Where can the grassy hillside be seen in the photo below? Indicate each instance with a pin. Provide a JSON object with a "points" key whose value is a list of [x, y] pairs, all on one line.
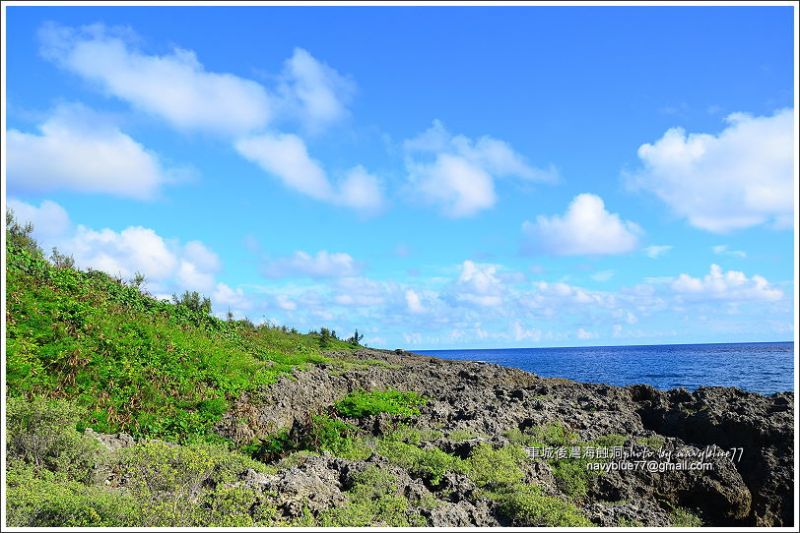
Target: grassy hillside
{"points": [[137, 364]]}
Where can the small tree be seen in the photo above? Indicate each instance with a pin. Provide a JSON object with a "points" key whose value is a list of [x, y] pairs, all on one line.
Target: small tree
{"points": [[61, 260], [194, 302], [324, 338], [356, 339]]}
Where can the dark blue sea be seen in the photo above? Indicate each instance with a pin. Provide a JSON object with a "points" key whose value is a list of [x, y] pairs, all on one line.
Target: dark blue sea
{"points": [[764, 367]]}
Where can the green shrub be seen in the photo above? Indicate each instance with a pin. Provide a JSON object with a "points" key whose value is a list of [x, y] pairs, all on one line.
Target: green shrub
{"points": [[43, 433], [526, 506], [555, 434], [490, 467], [412, 435], [359, 404], [335, 436], [572, 477], [430, 464], [45, 499], [680, 517], [655, 442], [138, 364], [271, 447], [373, 500]]}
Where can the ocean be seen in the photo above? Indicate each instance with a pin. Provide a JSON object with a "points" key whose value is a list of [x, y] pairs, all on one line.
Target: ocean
{"points": [[764, 367]]}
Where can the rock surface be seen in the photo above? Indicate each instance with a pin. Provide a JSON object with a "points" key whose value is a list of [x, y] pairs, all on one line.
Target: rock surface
{"points": [[488, 400]]}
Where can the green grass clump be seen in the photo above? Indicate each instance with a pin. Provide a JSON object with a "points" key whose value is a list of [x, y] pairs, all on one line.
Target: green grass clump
{"points": [[525, 505], [373, 500], [654, 442], [463, 435], [359, 404], [336, 436], [493, 468], [137, 364], [430, 464], [500, 473], [42, 433], [38, 498], [58, 476], [680, 517], [412, 435]]}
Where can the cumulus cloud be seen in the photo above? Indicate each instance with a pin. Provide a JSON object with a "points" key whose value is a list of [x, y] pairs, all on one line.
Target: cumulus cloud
{"points": [[413, 302], [175, 86], [50, 221], [521, 333], [657, 250], [166, 264], [314, 92], [479, 284], [730, 285], [322, 265], [226, 297], [584, 335], [285, 155], [457, 174], [76, 150], [587, 228], [738, 178]]}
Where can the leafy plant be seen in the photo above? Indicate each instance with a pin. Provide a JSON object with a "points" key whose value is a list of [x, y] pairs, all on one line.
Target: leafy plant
{"points": [[359, 404]]}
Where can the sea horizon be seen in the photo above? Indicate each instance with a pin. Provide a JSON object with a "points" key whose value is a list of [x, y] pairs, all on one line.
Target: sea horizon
{"points": [[763, 367], [589, 346]]}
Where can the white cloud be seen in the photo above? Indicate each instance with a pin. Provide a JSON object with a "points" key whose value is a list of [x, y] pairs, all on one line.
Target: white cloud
{"points": [[657, 250], [360, 190], [322, 265], [730, 285], [175, 87], [585, 229], [521, 333], [168, 266], [584, 335], [227, 297], [285, 303], [457, 174], [286, 156], [50, 220], [413, 302], [77, 150], [723, 249], [479, 284], [314, 92], [736, 179]]}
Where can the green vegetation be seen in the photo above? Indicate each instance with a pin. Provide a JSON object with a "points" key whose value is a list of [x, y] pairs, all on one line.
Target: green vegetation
{"points": [[680, 517], [654, 442], [57, 476], [526, 505], [374, 500], [359, 404], [430, 464], [137, 364]]}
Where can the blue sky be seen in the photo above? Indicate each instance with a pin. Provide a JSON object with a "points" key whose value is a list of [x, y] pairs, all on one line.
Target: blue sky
{"points": [[435, 177]]}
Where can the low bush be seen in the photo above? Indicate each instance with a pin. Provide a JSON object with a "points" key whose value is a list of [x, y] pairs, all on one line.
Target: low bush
{"points": [[359, 404], [42, 432], [490, 467], [373, 500], [37, 498], [430, 464], [526, 506]]}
